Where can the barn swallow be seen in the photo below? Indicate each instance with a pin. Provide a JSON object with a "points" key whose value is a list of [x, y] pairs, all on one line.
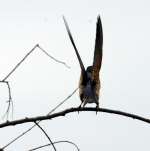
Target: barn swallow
{"points": [[89, 83]]}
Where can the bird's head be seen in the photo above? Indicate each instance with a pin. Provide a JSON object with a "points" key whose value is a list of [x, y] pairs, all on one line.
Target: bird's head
{"points": [[89, 72], [89, 69]]}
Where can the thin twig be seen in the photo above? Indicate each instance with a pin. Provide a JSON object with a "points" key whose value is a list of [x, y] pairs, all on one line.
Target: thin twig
{"points": [[65, 141], [70, 110], [46, 135], [25, 132], [18, 64], [9, 101], [69, 96], [52, 57], [37, 45], [22, 60]]}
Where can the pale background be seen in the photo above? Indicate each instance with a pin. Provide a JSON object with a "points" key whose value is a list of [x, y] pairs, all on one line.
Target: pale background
{"points": [[39, 84]]}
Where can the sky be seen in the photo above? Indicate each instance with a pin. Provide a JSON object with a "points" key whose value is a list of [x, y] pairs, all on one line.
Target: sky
{"points": [[40, 83]]}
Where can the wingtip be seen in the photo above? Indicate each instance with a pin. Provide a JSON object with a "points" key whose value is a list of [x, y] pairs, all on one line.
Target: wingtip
{"points": [[66, 24], [64, 19], [99, 19], [99, 27]]}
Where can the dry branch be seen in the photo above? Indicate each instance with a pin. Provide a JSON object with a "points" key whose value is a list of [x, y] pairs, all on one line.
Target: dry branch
{"points": [[46, 136], [9, 101], [64, 112], [28, 54], [66, 141], [28, 130]]}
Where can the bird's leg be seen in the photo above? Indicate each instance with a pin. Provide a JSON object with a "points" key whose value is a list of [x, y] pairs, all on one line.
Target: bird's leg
{"points": [[83, 102], [80, 106], [97, 107]]}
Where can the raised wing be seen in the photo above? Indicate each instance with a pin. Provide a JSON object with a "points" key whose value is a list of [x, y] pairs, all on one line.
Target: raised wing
{"points": [[97, 61], [72, 41]]}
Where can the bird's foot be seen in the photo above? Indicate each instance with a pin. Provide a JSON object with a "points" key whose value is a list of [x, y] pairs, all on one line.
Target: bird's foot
{"points": [[97, 108], [79, 108]]}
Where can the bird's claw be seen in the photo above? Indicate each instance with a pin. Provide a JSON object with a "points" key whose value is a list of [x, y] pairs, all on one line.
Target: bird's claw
{"points": [[97, 108], [79, 108]]}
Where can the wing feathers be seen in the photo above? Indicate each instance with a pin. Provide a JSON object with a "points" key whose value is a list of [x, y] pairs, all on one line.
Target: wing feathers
{"points": [[98, 49], [72, 41]]}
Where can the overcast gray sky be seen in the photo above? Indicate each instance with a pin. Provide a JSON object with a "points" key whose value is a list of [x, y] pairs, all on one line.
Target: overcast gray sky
{"points": [[39, 84]]}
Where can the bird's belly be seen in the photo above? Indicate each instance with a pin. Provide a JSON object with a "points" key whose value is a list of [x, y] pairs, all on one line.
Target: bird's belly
{"points": [[91, 100], [89, 95]]}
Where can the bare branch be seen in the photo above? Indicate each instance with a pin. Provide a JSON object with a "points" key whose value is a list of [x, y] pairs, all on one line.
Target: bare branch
{"points": [[20, 62], [25, 132], [65, 141], [12, 141], [9, 90], [46, 135], [53, 57], [68, 97], [10, 102], [23, 59], [64, 112]]}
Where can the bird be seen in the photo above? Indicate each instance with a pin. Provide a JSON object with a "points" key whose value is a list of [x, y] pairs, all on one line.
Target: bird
{"points": [[89, 83]]}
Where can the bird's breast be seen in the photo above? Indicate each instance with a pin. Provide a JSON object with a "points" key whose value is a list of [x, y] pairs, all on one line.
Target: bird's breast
{"points": [[88, 91]]}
